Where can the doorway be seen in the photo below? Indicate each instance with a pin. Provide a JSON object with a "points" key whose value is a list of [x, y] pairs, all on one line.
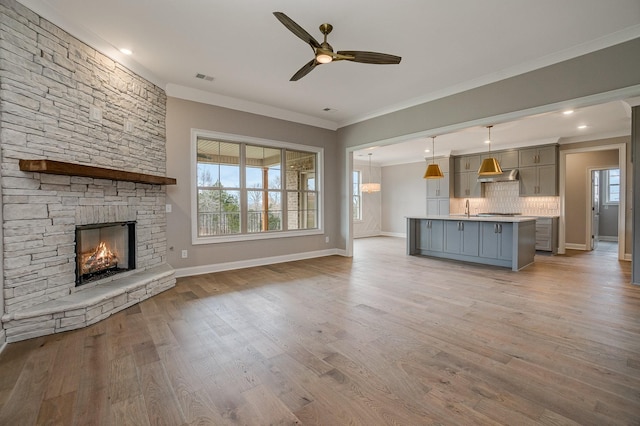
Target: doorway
{"points": [[575, 226]]}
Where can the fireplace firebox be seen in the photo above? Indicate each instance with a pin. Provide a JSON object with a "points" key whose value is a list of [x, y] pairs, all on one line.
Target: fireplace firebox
{"points": [[103, 250]]}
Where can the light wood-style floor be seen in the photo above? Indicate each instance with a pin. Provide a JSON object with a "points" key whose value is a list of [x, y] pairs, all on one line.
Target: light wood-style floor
{"points": [[379, 339]]}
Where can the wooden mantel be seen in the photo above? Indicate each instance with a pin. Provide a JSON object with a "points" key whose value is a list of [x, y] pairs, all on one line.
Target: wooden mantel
{"points": [[70, 169]]}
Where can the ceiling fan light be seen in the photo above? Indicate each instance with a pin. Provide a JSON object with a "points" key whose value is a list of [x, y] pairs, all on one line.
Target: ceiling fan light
{"points": [[433, 172], [323, 58], [489, 166]]}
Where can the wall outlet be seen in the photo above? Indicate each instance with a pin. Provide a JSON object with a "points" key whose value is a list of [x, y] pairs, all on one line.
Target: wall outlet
{"points": [[168, 208], [326, 239], [128, 126], [95, 113], [185, 254]]}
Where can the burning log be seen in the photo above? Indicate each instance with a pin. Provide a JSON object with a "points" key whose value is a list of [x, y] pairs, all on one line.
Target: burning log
{"points": [[97, 260]]}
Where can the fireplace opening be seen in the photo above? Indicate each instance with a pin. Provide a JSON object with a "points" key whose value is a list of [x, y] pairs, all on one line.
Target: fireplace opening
{"points": [[103, 250]]}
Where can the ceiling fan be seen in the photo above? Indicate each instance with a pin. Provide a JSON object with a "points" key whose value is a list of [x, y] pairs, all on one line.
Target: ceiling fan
{"points": [[323, 52]]}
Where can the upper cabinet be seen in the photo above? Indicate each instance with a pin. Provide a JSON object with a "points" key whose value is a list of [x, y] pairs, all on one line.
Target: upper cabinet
{"points": [[538, 168], [467, 163], [507, 159], [466, 183], [539, 171], [539, 156]]}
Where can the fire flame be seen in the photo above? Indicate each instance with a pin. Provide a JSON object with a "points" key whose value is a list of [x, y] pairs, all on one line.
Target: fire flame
{"points": [[98, 259]]}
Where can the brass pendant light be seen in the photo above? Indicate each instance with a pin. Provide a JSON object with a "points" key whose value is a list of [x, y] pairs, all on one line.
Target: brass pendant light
{"points": [[490, 165], [369, 187], [433, 170]]}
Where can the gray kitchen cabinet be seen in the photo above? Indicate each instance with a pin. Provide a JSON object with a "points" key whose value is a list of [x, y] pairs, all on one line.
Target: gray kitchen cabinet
{"points": [[547, 234], [461, 237], [501, 242], [438, 206], [496, 240], [538, 181], [467, 163], [431, 235], [439, 188], [507, 159], [466, 185], [538, 156], [439, 191]]}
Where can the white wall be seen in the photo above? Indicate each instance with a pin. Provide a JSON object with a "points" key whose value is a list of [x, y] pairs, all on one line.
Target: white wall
{"points": [[404, 193]]}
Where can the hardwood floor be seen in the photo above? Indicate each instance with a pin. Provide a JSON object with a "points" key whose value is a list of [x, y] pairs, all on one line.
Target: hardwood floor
{"points": [[382, 338]]}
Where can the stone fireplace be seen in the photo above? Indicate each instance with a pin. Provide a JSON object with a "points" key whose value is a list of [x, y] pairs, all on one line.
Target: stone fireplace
{"points": [[63, 101]]}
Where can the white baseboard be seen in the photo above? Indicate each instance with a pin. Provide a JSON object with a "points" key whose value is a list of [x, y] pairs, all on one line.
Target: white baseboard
{"points": [[394, 234], [367, 234], [613, 239], [229, 266], [575, 246]]}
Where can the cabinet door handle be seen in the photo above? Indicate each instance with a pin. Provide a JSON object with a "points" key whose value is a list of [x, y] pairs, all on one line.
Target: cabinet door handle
{"points": [[462, 226], [499, 228]]}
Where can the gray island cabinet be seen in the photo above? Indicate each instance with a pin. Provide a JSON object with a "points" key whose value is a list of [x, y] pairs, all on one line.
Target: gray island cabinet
{"points": [[500, 241]]}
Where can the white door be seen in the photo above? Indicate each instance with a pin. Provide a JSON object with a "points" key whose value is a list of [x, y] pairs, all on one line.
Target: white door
{"points": [[595, 208]]}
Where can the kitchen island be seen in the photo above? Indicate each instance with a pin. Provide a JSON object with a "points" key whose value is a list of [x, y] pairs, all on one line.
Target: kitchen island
{"points": [[506, 241]]}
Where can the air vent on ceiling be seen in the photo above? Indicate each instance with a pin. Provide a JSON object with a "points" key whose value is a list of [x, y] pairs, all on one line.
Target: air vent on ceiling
{"points": [[204, 77]]}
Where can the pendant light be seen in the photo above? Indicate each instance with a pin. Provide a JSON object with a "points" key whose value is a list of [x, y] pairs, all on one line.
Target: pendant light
{"points": [[370, 187], [433, 170], [490, 165]]}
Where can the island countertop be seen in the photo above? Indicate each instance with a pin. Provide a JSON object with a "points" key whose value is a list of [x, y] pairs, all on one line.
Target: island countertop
{"points": [[476, 218]]}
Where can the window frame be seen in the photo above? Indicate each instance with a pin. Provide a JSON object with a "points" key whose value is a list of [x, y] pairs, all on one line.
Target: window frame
{"points": [[227, 137], [358, 194], [607, 188]]}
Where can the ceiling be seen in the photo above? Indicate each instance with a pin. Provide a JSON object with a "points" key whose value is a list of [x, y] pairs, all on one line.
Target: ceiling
{"points": [[446, 47]]}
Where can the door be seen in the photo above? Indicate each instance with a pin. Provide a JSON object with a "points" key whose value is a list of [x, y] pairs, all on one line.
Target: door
{"points": [[595, 208]]}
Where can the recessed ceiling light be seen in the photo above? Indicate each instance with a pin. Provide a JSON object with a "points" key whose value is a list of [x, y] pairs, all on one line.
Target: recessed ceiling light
{"points": [[487, 141], [568, 112], [426, 150], [126, 51], [582, 126]]}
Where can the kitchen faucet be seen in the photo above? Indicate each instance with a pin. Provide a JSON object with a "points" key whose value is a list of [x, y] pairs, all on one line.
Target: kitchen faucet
{"points": [[466, 207]]}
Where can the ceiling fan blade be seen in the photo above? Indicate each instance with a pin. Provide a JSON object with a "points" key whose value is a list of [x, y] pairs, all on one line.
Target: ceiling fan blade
{"points": [[297, 29], [370, 57], [306, 69]]}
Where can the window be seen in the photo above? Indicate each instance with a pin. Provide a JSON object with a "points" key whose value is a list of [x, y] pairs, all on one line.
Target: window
{"points": [[357, 195], [246, 188], [612, 186]]}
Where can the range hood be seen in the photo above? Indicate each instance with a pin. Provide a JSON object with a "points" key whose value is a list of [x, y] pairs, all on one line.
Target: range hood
{"points": [[505, 176]]}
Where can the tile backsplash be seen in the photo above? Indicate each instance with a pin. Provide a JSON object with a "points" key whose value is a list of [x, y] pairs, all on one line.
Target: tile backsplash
{"points": [[504, 197]]}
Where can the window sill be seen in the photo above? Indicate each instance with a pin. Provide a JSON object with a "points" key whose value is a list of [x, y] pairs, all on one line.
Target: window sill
{"points": [[255, 237]]}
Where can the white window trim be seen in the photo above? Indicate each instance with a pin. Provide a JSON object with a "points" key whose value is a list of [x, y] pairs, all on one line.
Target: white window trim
{"points": [[195, 239], [605, 185], [355, 169]]}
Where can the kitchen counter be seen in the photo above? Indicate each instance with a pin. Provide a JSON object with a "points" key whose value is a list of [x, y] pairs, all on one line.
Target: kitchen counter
{"points": [[506, 241], [479, 218]]}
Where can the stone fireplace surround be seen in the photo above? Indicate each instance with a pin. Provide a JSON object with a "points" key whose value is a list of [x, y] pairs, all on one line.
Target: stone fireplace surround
{"points": [[51, 303], [63, 100]]}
